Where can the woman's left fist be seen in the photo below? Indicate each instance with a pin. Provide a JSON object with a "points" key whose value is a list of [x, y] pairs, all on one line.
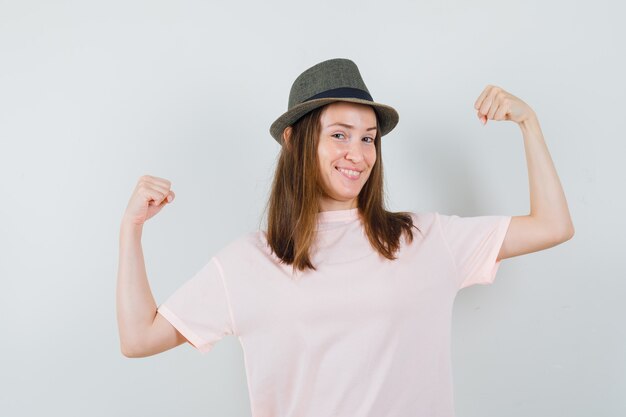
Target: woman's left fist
{"points": [[497, 104]]}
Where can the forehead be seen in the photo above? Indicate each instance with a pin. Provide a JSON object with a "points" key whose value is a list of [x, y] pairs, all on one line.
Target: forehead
{"points": [[353, 113]]}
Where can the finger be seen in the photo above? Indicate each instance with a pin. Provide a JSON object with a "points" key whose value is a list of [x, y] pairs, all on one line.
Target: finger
{"points": [[156, 180], [162, 191], [152, 197], [481, 97], [152, 192], [167, 198], [502, 112], [484, 107], [495, 105], [147, 181]]}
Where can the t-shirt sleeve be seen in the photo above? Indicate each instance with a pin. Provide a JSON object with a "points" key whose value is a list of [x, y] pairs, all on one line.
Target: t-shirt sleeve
{"points": [[200, 308], [474, 243]]}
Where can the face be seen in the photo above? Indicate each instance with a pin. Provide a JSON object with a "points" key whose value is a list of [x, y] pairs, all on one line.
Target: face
{"points": [[346, 152]]}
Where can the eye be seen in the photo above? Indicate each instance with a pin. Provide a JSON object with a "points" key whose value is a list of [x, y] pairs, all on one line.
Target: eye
{"points": [[368, 139]]}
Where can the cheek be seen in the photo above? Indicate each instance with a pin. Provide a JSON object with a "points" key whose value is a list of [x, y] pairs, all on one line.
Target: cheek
{"points": [[328, 154], [371, 157]]}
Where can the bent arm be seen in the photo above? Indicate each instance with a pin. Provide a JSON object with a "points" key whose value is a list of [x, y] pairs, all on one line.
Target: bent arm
{"points": [[142, 331], [547, 198], [549, 222]]}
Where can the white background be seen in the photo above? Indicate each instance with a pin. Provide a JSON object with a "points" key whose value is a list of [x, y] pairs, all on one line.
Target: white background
{"points": [[95, 94]]}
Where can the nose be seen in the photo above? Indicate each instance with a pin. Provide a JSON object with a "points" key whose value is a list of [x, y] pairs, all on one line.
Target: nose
{"points": [[354, 151]]}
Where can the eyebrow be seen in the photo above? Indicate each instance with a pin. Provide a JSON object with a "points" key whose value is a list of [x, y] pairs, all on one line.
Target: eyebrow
{"points": [[348, 126]]}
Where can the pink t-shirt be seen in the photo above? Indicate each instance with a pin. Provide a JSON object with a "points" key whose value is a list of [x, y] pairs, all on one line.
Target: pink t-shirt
{"points": [[362, 335]]}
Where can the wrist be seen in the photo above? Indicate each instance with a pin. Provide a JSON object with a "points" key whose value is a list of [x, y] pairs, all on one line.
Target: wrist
{"points": [[531, 122], [129, 226]]}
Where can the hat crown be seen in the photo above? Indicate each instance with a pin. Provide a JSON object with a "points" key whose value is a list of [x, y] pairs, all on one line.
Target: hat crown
{"points": [[337, 79], [327, 75]]}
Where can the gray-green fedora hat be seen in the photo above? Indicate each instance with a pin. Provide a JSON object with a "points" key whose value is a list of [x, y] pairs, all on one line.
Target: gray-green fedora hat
{"points": [[332, 80]]}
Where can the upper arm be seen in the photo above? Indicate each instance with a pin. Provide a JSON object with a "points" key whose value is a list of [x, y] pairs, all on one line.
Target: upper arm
{"points": [[159, 337], [526, 234]]}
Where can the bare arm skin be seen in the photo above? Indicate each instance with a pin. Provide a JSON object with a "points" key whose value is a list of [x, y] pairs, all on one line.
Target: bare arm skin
{"points": [[143, 332], [549, 222]]}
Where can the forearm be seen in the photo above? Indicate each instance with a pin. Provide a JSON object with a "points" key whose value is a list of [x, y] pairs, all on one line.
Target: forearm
{"points": [[136, 307], [547, 198]]}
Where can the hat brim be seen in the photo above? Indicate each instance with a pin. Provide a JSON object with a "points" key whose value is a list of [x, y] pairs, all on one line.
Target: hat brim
{"points": [[387, 116]]}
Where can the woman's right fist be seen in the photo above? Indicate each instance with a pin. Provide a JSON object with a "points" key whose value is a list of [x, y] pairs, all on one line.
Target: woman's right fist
{"points": [[151, 194]]}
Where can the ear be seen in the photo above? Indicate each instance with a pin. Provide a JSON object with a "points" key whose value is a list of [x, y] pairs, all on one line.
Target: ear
{"points": [[287, 135]]}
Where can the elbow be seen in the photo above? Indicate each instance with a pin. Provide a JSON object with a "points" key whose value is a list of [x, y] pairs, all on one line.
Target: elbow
{"points": [[127, 354], [569, 231], [131, 351], [566, 234], [562, 231]]}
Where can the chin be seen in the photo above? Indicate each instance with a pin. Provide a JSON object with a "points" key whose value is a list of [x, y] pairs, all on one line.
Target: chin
{"points": [[345, 196]]}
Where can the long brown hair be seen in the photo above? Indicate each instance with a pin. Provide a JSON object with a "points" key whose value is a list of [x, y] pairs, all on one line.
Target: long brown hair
{"points": [[296, 191]]}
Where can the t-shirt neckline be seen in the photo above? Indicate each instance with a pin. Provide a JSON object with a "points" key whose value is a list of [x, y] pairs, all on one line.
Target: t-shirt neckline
{"points": [[338, 216]]}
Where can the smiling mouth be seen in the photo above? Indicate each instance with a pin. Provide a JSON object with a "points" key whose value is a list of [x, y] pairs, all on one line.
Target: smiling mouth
{"points": [[348, 173]]}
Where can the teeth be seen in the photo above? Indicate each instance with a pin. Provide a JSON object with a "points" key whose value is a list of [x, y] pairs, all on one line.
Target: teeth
{"points": [[350, 172]]}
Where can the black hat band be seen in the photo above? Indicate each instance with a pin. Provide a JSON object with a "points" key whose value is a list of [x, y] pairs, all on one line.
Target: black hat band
{"points": [[342, 92]]}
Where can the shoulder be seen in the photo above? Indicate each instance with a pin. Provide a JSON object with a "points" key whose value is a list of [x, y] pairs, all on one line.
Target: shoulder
{"points": [[423, 220], [248, 245]]}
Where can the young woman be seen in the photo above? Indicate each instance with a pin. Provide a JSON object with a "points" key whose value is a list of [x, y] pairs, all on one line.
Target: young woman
{"points": [[341, 307]]}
